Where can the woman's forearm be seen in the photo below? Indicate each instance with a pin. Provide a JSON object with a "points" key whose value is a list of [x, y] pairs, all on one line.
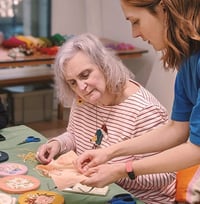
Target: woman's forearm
{"points": [[157, 140], [171, 160], [67, 142]]}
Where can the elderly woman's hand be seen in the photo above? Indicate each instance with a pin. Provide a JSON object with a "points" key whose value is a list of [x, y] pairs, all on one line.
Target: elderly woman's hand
{"points": [[47, 152]]}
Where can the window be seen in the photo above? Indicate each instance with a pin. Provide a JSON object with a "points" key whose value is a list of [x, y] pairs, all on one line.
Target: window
{"points": [[25, 17]]}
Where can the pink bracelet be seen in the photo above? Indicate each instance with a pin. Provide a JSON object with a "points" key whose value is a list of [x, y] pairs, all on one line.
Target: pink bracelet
{"points": [[129, 170]]}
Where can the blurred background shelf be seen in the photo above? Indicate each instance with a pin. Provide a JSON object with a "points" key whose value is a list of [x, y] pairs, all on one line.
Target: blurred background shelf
{"points": [[25, 75]]}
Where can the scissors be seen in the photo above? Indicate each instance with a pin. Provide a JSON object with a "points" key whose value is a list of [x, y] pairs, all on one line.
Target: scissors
{"points": [[30, 139]]}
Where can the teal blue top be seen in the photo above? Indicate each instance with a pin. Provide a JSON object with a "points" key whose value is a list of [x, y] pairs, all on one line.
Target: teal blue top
{"points": [[186, 105]]}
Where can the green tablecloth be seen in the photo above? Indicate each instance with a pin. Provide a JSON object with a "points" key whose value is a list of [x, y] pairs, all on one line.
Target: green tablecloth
{"points": [[15, 135]]}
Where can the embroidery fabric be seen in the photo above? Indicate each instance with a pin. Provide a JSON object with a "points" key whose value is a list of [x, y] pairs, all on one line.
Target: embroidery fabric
{"points": [[62, 171]]}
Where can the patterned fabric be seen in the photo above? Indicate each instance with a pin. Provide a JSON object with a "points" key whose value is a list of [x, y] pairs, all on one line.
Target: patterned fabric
{"points": [[138, 114]]}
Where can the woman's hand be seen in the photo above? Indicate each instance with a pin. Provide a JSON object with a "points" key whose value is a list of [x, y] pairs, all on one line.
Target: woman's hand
{"points": [[48, 151], [90, 159], [105, 174]]}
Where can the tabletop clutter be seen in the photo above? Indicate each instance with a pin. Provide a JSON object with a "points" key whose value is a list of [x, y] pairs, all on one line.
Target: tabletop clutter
{"points": [[14, 179], [26, 45]]}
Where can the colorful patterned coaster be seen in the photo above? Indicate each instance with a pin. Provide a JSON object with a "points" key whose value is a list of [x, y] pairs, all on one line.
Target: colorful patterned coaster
{"points": [[41, 197], [9, 169], [7, 199], [18, 184]]}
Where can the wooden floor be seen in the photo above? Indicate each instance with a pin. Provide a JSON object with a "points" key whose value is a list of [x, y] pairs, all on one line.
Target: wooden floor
{"points": [[49, 129]]}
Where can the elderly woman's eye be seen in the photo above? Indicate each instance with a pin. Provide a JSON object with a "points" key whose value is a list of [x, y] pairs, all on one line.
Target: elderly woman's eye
{"points": [[85, 74]]}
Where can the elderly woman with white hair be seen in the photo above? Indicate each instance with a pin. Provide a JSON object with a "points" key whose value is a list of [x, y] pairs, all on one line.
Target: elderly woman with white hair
{"points": [[108, 107]]}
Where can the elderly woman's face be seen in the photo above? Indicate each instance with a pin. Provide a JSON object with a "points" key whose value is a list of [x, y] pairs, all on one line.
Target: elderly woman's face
{"points": [[85, 78]]}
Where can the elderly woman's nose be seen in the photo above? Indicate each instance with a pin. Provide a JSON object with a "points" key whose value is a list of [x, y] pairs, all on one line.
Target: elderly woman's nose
{"points": [[82, 85]]}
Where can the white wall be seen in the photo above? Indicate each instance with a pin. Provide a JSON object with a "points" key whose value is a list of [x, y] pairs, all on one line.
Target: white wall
{"points": [[68, 16], [105, 19], [161, 83]]}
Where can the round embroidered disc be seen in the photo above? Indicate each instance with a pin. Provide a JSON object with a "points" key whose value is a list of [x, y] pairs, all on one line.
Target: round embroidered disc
{"points": [[7, 199], [18, 184], [9, 169], [34, 197]]}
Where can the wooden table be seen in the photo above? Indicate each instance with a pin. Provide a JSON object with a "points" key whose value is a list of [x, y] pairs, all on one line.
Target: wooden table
{"points": [[38, 59], [34, 60]]}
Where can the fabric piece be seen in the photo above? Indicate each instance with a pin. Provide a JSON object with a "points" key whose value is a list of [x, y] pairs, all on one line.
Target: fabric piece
{"points": [[62, 171], [188, 185], [79, 188], [7, 199]]}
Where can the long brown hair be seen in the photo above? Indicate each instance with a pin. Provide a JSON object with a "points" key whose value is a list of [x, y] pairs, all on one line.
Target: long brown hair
{"points": [[182, 30]]}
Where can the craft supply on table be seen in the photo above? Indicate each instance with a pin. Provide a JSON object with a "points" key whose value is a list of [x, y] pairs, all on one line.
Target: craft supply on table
{"points": [[36, 197], [64, 175], [30, 139], [30, 157], [83, 189], [62, 171], [2, 138], [3, 156], [122, 199], [18, 184], [9, 169], [7, 199]]}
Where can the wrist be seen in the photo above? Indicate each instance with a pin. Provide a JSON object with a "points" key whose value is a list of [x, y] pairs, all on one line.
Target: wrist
{"points": [[120, 171], [111, 153], [57, 142]]}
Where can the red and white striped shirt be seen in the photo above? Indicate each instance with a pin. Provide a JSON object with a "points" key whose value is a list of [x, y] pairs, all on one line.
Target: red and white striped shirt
{"points": [[136, 115]]}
